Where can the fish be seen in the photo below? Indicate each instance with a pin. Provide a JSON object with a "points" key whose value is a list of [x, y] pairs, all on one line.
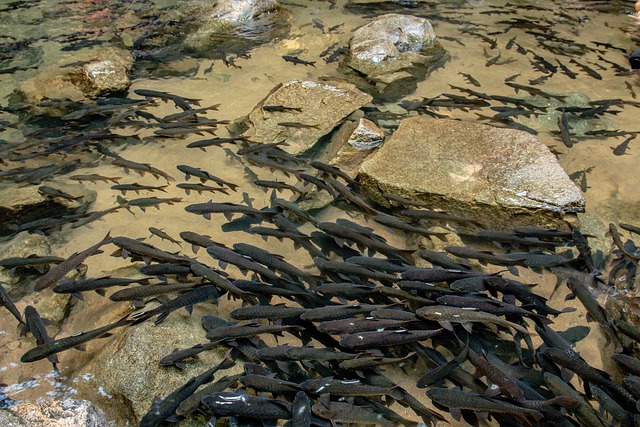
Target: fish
{"points": [[29, 261], [301, 410], [204, 176], [440, 372], [188, 113], [344, 388], [95, 177], [446, 315], [56, 346], [280, 109], [456, 400], [58, 272], [263, 383], [565, 130], [146, 251], [270, 312], [141, 168], [566, 70], [193, 402], [299, 125], [271, 260], [621, 149], [97, 284], [164, 236], [138, 293], [387, 338], [123, 188], [419, 214], [227, 256], [36, 325], [144, 202], [395, 222], [248, 331], [243, 405], [470, 79], [227, 209], [507, 386], [590, 71], [181, 102], [535, 92], [576, 403], [200, 188], [7, 302], [163, 409], [354, 325], [216, 278], [218, 142], [482, 256], [351, 414], [277, 185], [295, 60], [187, 300]]}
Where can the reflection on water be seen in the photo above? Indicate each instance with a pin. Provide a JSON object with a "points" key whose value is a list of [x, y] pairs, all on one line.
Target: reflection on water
{"points": [[489, 42]]}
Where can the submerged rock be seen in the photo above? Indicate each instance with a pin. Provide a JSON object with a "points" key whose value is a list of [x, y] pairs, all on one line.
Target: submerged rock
{"points": [[128, 370], [21, 206], [506, 177], [392, 53], [320, 107], [235, 25], [62, 413], [97, 74]]}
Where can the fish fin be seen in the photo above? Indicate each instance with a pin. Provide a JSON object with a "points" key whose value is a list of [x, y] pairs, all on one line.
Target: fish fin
{"points": [[53, 358], [446, 324], [566, 374], [189, 309], [455, 413], [100, 292], [81, 347], [78, 295], [173, 418], [468, 326]]}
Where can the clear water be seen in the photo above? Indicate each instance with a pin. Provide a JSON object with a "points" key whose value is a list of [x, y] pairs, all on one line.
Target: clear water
{"points": [[38, 34]]}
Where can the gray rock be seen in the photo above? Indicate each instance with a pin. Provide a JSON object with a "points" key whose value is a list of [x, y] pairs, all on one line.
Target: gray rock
{"points": [[393, 53], [505, 177], [324, 106], [60, 413], [23, 205], [128, 371], [234, 11], [104, 72]]}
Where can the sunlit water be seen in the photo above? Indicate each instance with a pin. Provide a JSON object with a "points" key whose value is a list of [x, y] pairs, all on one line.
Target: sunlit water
{"points": [[37, 34]]}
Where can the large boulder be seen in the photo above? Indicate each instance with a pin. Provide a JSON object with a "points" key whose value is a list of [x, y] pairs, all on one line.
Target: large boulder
{"points": [[128, 369], [392, 53], [506, 177], [320, 107], [58, 413], [102, 72]]}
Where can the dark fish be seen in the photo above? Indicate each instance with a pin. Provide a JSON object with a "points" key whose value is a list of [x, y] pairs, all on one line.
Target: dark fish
{"points": [[55, 192], [348, 413], [216, 278], [470, 79], [30, 261], [446, 315], [141, 168], [267, 384], [301, 410], [97, 285], [123, 188], [622, 148], [199, 188], [492, 306], [35, 325], [243, 405], [181, 102], [247, 331], [332, 170], [390, 338], [145, 202], [535, 92], [295, 60], [342, 388], [204, 176], [395, 222], [165, 268], [277, 185], [439, 373], [507, 386], [270, 312], [227, 256], [482, 256], [566, 70], [59, 271], [455, 399], [176, 357], [7, 302], [146, 251], [164, 408], [354, 325], [419, 214], [565, 130], [187, 300], [577, 404], [62, 344], [227, 209], [193, 402], [593, 73], [279, 108], [365, 362], [571, 360], [298, 125], [139, 293], [217, 142], [164, 236]]}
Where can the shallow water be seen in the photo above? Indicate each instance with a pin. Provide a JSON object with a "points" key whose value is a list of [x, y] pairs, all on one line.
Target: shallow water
{"points": [[41, 30]]}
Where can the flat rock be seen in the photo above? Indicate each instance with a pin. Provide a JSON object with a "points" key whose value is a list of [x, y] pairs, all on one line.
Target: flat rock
{"points": [[393, 53], [59, 413], [506, 177], [323, 107]]}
